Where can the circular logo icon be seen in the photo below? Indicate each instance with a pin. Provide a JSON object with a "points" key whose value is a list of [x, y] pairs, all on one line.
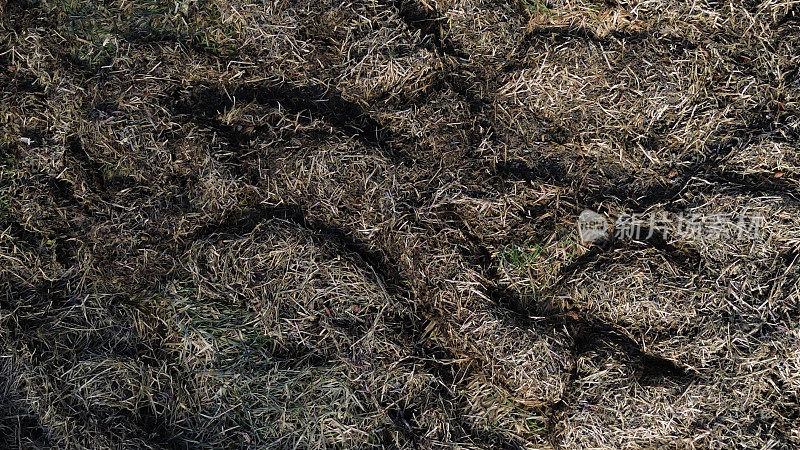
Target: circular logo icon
{"points": [[592, 227]]}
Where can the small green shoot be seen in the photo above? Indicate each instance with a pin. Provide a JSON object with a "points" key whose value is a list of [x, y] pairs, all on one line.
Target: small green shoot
{"points": [[537, 7], [521, 256]]}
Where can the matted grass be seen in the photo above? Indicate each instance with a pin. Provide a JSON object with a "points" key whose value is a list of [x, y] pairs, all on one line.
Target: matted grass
{"points": [[353, 225]]}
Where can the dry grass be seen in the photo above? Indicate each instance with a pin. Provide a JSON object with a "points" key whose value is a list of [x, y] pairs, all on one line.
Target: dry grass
{"points": [[352, 225]]}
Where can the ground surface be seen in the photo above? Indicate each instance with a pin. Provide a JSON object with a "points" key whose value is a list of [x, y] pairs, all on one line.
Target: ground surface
{"points": [[352, 224]]}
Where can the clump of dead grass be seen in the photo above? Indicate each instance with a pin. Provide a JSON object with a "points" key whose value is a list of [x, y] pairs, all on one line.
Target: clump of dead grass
{"points": [[199, 250]]}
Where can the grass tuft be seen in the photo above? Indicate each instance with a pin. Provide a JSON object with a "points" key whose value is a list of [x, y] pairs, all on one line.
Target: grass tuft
{"points": [[237, 223]]}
